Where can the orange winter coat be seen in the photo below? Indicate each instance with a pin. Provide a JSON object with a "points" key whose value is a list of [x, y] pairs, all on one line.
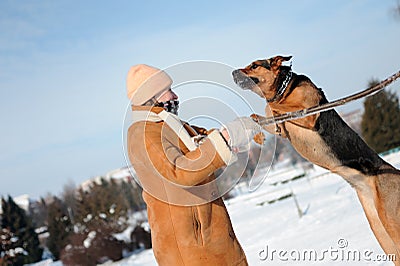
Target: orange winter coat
{"points": [[200, 234]]}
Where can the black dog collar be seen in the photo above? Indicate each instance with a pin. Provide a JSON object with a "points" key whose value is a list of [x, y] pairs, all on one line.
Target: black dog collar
{"points": [[283, 79]]}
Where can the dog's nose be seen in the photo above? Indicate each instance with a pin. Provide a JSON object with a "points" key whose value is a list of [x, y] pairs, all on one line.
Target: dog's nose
{"points": [[235, 72], [237, 76]]}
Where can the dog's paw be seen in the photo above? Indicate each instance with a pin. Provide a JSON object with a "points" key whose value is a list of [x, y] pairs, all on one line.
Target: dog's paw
{"points": [[255, 117], [259, 138]]}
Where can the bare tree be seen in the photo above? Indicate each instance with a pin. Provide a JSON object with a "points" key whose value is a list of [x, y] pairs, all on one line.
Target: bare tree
{"points": [[68, 196], [396, 10]]}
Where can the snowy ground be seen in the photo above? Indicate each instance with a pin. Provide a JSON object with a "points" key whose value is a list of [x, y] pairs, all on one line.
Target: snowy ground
{"points": [[332, 231]]}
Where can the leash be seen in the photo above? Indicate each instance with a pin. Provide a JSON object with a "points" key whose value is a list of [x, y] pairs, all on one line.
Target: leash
{"points": [[264, 121]]}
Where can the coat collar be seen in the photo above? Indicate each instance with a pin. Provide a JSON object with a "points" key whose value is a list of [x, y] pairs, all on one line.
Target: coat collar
{"points": [[158, 114], [146, 113]]}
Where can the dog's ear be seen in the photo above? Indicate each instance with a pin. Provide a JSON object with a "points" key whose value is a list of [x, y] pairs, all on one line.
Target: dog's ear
{"points": [[276, 61]]}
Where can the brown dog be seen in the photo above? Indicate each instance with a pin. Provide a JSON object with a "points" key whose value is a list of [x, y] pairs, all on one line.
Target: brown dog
{"points": [[326, 140]]}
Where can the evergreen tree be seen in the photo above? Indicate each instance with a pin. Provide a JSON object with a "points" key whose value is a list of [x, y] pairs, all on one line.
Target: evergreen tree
{"points": [[133, 194], [24, 243], [380, 124], [59, 227], [103, 205]]}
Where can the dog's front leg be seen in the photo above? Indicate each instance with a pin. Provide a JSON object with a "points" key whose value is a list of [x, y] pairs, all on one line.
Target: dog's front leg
{"points": [[272, 128]]}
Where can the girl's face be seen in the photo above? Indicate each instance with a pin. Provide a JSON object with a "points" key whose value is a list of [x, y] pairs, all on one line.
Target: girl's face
{"points": [[168, 95]]}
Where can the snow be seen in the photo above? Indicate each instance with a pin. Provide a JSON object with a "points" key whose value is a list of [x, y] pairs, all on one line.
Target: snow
{"points": [[15, 251], [41, 230], [22, 201], [88, 218], [112, 210], [124, 235], [47, 262], [88, 241], [334, 226], [333, 229]]}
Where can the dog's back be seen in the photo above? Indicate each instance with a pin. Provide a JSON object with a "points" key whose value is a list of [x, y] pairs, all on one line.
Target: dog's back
{"points": [[346, 145]]}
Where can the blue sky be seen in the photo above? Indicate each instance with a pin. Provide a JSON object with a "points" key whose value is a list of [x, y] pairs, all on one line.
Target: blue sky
{"points": [[63, 66]]}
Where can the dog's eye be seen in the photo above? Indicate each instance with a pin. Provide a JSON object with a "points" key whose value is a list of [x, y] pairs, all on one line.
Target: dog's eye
{"points": [[254, 66]]}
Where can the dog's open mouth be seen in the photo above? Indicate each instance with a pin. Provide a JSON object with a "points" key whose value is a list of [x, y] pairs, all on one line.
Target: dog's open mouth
{"points": [[244, 81]]}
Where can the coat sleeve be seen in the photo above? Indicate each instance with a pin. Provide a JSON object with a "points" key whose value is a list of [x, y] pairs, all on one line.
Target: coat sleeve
{"points": [[194, 167]]}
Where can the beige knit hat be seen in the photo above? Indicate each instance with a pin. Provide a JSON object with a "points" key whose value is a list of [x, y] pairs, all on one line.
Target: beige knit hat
{"points": [[144, 82]]}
